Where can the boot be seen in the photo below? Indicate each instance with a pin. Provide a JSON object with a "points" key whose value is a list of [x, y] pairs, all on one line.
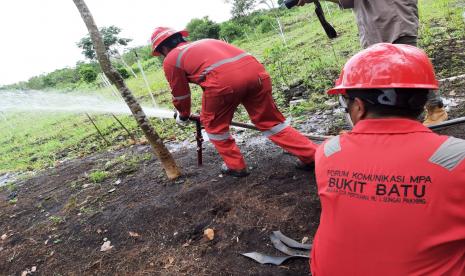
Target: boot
{"points": [[236, 173], [435, 115]]}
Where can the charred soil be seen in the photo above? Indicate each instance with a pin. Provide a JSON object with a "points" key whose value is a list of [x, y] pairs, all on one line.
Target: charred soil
{"points": [[62, 217]]}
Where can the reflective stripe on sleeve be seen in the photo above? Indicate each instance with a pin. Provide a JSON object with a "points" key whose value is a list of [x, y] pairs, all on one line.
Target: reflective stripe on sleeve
{"points": [[449, 154], [219, 137], [332, 146], [180, 98], [276, 129], [221, 62], [184, 49]]}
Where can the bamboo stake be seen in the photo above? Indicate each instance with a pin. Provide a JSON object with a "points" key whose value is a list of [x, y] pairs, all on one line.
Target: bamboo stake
{"points": [[98, 130], [121, 124]]}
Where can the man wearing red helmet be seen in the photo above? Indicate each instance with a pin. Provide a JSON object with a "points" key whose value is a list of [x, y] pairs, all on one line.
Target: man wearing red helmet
{"points": [[392, 191], [393, 21], [228, 76]]}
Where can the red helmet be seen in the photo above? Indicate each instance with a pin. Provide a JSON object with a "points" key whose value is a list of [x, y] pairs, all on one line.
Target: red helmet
{"points": [[386, 65], [162, 33]]}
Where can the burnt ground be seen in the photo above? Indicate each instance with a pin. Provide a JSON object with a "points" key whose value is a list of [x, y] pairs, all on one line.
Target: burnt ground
{"points": [[61, 218]]}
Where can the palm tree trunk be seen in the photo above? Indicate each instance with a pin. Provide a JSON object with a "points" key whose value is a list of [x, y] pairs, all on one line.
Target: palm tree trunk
{"points": [[154, 139]]}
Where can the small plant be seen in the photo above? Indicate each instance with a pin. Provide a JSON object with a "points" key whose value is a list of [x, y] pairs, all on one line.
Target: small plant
{"points": [[56, 219], [98, 176], [13, 201]]}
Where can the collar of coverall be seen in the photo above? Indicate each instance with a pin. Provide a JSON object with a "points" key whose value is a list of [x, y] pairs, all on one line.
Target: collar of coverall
{"points": [[388, 126]]}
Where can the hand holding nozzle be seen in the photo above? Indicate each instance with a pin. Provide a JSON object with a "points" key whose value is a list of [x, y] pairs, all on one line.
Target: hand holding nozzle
{"points": [[181, 121]]}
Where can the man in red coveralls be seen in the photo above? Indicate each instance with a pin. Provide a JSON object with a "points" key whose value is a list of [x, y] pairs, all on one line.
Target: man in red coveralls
{"points": [[392, 191], [228, 76]]}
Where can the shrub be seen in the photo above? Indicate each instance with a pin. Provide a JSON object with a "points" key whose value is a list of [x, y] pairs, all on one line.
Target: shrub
{"points": [[200, 28], [231, 30]]}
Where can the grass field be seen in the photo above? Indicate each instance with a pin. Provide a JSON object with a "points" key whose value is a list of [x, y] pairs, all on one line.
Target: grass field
{"points": [[31, 141]]}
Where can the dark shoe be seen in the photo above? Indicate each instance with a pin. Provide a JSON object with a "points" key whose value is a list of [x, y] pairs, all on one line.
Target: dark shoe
{"points": [[305, 166], [236, 173]]}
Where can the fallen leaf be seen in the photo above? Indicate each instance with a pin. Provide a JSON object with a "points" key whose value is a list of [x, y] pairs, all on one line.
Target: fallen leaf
{"points": [[99, 231], [4, 236], [112, 190], [24, 273], [134, 234], [33, 269], [106, 246], [209, 234], [117, 182]]}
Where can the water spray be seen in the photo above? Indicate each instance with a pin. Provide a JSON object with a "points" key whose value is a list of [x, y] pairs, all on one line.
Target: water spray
{"points": [[37, 101]]}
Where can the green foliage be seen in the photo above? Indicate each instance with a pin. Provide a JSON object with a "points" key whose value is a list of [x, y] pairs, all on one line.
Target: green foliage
{"points": [[200, 28], [123, 72], [231, 30], [98, 176], [264, 23], [241, 8], [110, 40], [56, 219], [13, 201], [87, 72]]}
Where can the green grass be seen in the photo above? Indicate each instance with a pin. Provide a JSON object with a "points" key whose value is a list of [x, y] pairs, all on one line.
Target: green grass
{"points": [[36, 141]]}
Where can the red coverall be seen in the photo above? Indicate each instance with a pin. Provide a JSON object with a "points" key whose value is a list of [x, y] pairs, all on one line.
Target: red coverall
{"points": [[393, 202], [229, 77]]}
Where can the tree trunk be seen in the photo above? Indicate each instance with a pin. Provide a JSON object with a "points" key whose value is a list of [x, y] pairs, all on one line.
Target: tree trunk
{"points": [[154, 139]]}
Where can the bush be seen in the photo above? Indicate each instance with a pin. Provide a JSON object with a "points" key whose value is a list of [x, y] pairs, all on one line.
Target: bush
{"points": [[123, 72], [264, 23], [200, 28], [87, 73], [231, 30]]}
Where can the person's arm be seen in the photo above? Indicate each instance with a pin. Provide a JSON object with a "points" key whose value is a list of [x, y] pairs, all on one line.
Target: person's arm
{"points": [[346, 4], [179, 89]]}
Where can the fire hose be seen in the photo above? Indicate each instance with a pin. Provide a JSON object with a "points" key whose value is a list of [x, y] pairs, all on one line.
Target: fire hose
{"points": [[199, 138]]}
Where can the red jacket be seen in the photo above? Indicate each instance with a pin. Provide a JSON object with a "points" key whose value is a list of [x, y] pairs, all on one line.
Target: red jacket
{"points": [[201, 62], [393, 202]]}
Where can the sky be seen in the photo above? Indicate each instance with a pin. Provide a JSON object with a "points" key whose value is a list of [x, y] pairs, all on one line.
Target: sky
{"points": [[40, 36]]}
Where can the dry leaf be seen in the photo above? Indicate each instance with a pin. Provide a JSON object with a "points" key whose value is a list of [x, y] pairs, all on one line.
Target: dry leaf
{"points": [[134, 234], [305, 240], [106, 246], [209, 234], [4, 236], [170, 263], [33, 269]]}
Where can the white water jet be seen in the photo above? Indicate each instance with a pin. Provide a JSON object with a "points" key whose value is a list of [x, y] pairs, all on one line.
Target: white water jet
{"points": [[71, 102]]}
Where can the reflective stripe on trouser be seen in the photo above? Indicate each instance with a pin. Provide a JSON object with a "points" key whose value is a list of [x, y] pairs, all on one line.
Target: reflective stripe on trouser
{"points": [[250, 85], [230, 153]]}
